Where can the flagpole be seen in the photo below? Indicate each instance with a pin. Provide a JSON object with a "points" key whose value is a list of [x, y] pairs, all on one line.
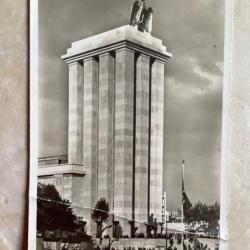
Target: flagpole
{"points": [[182, 188], [182, 201]]}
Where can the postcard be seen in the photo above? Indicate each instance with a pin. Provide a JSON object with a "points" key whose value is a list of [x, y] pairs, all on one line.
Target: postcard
{"points": [[127, 110]]}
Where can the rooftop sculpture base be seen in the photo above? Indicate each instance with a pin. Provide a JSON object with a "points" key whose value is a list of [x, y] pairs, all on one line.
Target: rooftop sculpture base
{"points": [[124, 36]]}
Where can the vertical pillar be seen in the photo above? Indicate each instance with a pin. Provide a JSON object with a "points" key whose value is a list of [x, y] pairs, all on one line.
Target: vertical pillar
{"points": [[75, 113], [106, 128], [156, 141], [124, 119], [77, 194], [142, 140], [90, 137]]}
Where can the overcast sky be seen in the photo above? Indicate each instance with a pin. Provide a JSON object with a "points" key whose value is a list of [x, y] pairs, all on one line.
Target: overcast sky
{"points": [[193, 32]]}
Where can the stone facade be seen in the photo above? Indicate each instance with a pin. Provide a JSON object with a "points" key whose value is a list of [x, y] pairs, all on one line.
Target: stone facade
{"points": [[90, 136], [116, 100], [67, 178], [142, 141], [156, 137], [106, 127], [124, 124], [75, 139]]}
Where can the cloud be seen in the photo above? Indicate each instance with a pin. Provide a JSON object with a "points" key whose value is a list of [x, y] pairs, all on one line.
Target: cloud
{"points": [[193, 132]]}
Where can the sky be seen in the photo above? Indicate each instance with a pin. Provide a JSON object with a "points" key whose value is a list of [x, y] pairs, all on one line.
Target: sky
{"points": [[194, 33]]}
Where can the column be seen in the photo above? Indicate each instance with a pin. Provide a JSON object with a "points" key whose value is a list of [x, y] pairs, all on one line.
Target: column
{"points": [[106, 127], [124, 112], [156, 141], [90, 138], [75, 113], [142, 140], [78, 194]]}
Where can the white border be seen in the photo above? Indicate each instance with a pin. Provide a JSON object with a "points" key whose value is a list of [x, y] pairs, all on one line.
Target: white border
{"points": [[33, 109], [225, 141]]}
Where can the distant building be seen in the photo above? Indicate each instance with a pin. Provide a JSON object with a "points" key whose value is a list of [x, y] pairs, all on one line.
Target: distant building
{"points": [[173, 216], [164, 209]]}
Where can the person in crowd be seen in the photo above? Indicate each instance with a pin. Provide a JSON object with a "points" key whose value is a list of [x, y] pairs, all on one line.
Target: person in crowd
{"points": [[64, 247]]}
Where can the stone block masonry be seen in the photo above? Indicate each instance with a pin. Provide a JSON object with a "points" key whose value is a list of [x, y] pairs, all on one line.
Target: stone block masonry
{"points": [[116, 101], [124, 125]]}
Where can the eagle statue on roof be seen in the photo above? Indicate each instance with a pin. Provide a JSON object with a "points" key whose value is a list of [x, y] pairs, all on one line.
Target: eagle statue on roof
{"points": [[141, 17]]}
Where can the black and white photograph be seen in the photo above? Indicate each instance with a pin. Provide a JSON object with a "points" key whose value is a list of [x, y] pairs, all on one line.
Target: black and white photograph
{"points": [[129, 124]]}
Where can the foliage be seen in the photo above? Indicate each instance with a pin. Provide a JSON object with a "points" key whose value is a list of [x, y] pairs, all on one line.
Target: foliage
{"points": [[100, 213], [203, 212], [53, 212], [141, 235]]}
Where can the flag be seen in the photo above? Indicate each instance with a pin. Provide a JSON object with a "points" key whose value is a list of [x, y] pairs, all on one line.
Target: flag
{"points": [[185, 201]]}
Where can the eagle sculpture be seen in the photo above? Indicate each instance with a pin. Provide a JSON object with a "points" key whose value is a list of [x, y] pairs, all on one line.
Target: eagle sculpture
{"points": [[141, 17]]}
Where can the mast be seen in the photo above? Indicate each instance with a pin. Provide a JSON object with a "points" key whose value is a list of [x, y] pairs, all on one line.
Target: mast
{"points": [[182, 190], [182, 202]]}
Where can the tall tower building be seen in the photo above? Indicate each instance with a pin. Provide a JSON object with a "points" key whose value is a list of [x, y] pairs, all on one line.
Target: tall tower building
{"points": [[116, 104]]}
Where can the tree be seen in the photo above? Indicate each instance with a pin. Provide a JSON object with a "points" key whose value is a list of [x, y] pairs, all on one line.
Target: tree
{"points": [[203, 212], [100, 215], [53, 212], [110, 242]]}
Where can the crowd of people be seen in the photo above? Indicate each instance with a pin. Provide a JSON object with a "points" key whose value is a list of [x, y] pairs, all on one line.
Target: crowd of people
{"points": [[189, 242], [66, 247], [174, 242], [186, 246], [130, 248], [76, 247]]}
